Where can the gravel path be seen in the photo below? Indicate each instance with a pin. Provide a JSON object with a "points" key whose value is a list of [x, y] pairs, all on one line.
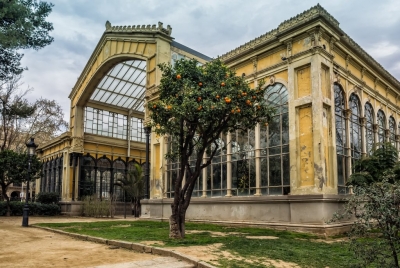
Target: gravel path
{"points": [[33, 247]]}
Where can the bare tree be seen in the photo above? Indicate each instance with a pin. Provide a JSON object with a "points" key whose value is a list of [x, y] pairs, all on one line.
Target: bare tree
{"points": [[13, 107], [20, 120]]}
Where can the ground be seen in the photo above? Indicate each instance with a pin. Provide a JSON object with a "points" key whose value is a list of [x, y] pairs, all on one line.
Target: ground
{"points": [[32, 247]]}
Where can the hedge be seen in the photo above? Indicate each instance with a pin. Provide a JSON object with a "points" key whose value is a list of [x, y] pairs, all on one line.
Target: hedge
{"points": [[34, 209]]}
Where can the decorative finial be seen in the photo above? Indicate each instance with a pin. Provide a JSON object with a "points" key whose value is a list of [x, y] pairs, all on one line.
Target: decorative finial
{"points": [[108, 25]]}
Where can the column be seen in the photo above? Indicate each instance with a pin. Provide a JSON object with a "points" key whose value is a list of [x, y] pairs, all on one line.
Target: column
{"points": [[228, 166], [147, 168]]}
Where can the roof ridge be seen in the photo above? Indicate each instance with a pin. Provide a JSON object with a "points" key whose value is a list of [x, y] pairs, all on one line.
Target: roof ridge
{"points": [[304, 16], [139, 28]]}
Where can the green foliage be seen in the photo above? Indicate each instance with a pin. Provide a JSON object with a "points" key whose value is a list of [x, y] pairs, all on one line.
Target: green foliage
{"points": [[134, 183], [196, 105], [23, 25], [384, 160], [375, 209], [48, 198], [207, 100], [34, 209], [306, 250], [14, 169]]}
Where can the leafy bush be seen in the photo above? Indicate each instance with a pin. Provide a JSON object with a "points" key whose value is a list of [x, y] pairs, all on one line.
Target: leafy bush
{"points": [[48, 198], [94, 207], [34, 209]]}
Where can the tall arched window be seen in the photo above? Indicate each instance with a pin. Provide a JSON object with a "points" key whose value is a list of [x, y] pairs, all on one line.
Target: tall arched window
{"points": [[103, 178], [43, 179], [274, 138], [119, 170], [369, 128], [340, 124], [381, 120], [87, 178], [392, 131], [355, 128]]}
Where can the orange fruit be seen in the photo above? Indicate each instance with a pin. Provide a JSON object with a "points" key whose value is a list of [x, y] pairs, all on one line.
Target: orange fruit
{"points": [[200, 84], [222, 84], [198, 99], [154, 106], [199, 108], [178, 76], [233, 111], [217, 96], [169, 107]]}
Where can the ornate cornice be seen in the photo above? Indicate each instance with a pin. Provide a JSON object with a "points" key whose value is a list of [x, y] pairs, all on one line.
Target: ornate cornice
{"points": [[307, 15], [139, 28]]}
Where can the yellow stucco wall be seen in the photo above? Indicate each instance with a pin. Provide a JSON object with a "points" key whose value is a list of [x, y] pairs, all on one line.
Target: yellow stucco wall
{"points": [[306, 146], [303, 81]]}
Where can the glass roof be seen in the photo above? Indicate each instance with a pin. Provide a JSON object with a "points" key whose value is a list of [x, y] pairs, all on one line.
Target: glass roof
{"points": [[123, 86]]}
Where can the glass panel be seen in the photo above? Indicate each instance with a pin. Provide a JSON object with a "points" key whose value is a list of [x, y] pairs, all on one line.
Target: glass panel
{"points": [[118, 82]]}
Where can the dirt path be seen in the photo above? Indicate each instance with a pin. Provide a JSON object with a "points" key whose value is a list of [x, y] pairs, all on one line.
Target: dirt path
{"points": [[32, 247]]}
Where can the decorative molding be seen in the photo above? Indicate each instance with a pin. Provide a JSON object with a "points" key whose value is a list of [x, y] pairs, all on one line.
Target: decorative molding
{"points": [[375, 128], [312, 13], [347, 113], [139, 28], [272, 80], [363, 121]]}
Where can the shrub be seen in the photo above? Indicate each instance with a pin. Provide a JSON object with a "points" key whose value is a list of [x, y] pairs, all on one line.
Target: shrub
{"points": [[48, 198], [94, 207], [34, 209]]}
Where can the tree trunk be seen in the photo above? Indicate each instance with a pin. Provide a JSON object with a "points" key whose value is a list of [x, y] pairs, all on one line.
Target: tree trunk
{"points": [[177, 223]]}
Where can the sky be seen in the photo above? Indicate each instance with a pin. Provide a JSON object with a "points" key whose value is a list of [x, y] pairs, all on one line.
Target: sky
{"points": [[212, 27]]}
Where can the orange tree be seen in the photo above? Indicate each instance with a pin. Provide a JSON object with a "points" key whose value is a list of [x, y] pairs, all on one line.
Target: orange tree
{"points": [[196, 104]]}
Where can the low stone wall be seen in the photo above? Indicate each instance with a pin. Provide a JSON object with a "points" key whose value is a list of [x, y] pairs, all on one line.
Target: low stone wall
{"points": [[74, 208], [301, 212]]}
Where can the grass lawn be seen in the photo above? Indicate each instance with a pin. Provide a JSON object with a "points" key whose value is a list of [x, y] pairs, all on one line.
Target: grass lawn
{"points": [[305, 250]]}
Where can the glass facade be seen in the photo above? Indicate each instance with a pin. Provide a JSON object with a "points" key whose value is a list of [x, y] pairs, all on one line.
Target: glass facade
{"points": [[355, 129], [273, 163], [52, 176], [369, 128], [392, 131], [341, 130], [381, 120]]}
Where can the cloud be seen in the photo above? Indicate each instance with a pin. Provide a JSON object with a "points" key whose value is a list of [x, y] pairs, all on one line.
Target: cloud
{"points": [[210, 27]]}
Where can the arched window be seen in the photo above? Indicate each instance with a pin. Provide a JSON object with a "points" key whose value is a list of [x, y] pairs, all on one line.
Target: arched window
{"points": [[87, 178], [275, 167], [53, 175], [381, 120], [355, 128], [392, 131], [340, 124], [369, 128], [119, 170], [103, 178]]}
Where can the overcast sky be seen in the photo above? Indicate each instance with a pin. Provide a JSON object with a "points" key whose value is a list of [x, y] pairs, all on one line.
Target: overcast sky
{"points": [[212, 27]]}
